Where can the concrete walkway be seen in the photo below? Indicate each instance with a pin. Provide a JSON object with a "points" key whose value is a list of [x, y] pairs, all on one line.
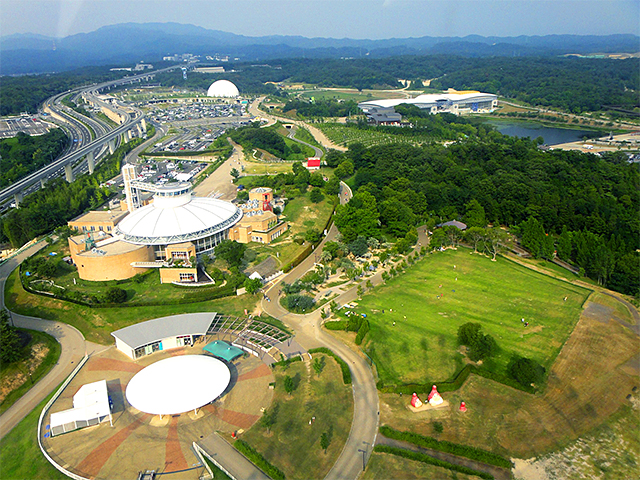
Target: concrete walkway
{"points": [[71, 340], [231, 459]]}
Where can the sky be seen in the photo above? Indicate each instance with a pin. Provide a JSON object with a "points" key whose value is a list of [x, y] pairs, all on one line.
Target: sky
{"points": [[372, 19]]}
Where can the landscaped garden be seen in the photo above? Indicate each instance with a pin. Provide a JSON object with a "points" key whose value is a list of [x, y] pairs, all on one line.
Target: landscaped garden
{"points": [[304, 430], [414, 319]]}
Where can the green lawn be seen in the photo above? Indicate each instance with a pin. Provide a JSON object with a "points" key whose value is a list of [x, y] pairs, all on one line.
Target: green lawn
{"points": [[423, 347], [23, 366], [96, 324], [293, 445], [20, 456]]}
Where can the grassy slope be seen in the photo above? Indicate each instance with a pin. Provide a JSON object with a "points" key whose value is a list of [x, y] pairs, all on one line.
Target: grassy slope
{"points": [[495, 294], [47, 363], [20, 456], [293, 445], [96, 324], [391, 467]]}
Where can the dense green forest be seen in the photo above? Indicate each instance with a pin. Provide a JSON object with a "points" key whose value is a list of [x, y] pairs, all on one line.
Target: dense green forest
{"points": [[586, 203], [574, 84], [26, 93], [60, 201], [24, 154]]}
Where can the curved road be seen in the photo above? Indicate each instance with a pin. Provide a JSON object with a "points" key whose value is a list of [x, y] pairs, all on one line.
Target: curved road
{"points": [[71, 340]]}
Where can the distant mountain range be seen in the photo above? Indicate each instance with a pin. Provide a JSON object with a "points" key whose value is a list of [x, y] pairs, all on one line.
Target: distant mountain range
{"points": [[133, 42]]}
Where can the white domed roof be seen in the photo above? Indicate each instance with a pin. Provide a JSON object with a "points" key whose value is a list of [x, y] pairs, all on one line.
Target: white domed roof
{"points": [[223, 88], [178, 218]]}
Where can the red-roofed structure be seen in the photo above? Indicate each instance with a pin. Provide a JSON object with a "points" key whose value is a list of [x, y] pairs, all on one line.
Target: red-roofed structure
{"points": [[313, 163]]}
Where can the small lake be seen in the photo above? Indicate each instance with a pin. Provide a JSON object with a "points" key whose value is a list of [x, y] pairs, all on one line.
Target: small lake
{"points": [[551, 135]]}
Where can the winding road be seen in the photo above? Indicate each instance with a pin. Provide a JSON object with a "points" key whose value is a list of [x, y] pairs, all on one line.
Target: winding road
{"points": [[73, 344]]}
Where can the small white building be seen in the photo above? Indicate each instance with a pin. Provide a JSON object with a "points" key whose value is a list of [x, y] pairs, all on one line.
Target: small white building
{"points": [[91, 406]]}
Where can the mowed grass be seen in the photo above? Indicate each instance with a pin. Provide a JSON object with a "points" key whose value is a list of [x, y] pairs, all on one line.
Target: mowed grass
{"points": [[293, 445], [447, 289], [96, 324]]}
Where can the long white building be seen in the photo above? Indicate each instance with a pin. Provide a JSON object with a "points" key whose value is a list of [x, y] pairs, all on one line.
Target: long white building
{"points": [[451, 102]]}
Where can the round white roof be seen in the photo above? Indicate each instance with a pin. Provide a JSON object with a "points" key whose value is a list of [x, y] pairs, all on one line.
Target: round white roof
{"points": [[178, 384], [223, 88], [176, 219]]}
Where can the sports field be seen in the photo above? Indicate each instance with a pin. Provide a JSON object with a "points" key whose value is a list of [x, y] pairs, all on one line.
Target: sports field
{"points": [[447, 289]]}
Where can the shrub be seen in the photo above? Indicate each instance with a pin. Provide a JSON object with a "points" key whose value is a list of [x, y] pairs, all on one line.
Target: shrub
{"points": [[298, 303], [337, 325], [115, 295], [448, 447]]}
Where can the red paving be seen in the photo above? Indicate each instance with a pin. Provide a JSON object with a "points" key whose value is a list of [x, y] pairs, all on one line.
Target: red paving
{"points": [[240, 420], [174, 458], [112, 365], [93, 463], [261, 371]]}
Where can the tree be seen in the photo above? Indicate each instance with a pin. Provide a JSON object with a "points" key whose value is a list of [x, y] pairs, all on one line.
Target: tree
{"points": [[234, 173], [332, 186], [252, 285], [533, 237], [312, 235], [269, 417], [495, 241], [115, 295], [325, 439], [10, 349], [46, 269], [316, 195], [288, 385], [468, 333], [359, 246], [344, 170], [230, 251], [319, 364], [475, 216], [474, 236], [526, 371], [484, 347], [564, 244]]}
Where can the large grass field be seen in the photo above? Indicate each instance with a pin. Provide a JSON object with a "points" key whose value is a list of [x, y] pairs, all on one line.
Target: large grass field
{"points": [[447, 289], [292, 444], [342, 135]]}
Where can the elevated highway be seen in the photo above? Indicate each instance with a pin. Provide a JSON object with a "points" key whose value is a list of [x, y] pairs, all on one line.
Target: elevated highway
{"points": [[83, 151]]}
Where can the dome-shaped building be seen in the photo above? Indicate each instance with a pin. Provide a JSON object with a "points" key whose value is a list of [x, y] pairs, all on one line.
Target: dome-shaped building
{"points": [[223, 88]]}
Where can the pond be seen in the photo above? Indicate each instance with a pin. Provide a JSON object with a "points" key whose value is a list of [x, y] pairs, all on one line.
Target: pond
{"points": [[551, 135]]}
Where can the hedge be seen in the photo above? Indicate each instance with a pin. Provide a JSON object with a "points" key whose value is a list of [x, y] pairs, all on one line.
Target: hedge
{"points": [[337, 325], [346, 373], [448, 447], [421, 457], [261, 462], [298, 260], [455, 383]]}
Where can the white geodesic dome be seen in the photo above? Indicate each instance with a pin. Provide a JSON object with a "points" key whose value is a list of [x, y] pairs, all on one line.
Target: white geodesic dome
{"points": [[223, 88]]}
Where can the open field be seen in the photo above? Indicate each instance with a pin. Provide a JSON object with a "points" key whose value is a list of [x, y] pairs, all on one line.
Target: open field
{"points": [[351, 94], [96, 324], [293, 445], [423, 346], [588, 383], [18, 377], [392, 467]]}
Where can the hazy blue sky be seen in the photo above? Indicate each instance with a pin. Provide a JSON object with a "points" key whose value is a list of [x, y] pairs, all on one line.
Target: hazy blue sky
{"points": [[331, 18]]}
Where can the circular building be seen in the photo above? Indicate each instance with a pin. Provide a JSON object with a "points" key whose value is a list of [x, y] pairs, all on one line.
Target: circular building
{"points": [[176, 217], [223, 88], [178, 384]]}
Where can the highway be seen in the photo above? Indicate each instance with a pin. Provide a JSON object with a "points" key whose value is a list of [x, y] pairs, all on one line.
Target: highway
{"points": [[129, 116]]}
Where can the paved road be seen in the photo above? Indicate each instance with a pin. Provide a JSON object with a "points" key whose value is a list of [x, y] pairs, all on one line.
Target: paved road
{"points": [[316, 151], [233, 461], [71, 340], [220, 184]]}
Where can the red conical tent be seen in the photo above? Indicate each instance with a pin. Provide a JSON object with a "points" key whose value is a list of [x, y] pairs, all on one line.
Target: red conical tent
{"points": [[434, 391], [463, 407]]}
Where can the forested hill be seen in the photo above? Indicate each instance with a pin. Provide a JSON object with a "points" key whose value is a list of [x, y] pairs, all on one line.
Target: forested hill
{"points": [[586, 203]]}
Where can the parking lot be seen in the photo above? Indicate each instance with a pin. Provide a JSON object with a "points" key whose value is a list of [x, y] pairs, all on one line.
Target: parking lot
{"points": [[9, 127]]}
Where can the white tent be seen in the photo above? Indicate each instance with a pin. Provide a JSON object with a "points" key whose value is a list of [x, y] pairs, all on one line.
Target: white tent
{"points": [[90, 407]]}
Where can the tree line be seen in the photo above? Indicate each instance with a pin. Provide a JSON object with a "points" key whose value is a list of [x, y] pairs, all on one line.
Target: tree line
{"points": [[24, 154]]}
